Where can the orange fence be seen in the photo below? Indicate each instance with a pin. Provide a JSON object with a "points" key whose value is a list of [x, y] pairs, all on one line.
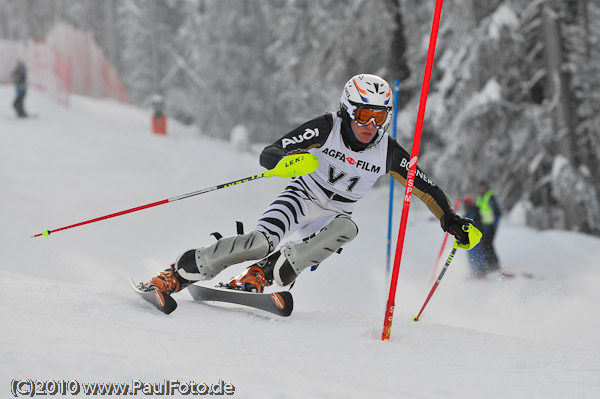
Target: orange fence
{"points": [[68, 61]]}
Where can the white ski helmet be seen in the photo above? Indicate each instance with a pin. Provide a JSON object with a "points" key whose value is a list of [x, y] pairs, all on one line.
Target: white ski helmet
{"points": [[368, 92]]}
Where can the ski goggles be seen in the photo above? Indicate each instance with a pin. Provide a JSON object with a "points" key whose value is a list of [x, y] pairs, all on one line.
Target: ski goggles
{"points": [[363, 116]]}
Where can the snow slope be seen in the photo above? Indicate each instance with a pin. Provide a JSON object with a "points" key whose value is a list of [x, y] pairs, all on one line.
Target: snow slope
{"points": [[68, 312]]}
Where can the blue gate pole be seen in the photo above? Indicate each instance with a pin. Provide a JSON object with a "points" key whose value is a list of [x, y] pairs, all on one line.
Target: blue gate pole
{"points": [[391, 201]]}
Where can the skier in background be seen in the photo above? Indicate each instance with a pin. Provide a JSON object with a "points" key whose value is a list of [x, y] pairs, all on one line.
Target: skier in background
{"points": [[19, 78], [490, 218], [354, 150], [476, 258]]}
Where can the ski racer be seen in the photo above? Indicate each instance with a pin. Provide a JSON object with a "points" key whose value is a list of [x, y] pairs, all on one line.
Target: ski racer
{"points": [[354, 150]]}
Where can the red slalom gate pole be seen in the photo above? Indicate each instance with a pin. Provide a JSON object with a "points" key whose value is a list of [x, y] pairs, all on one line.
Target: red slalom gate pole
{"points": [[437, 262], [410, 179]]}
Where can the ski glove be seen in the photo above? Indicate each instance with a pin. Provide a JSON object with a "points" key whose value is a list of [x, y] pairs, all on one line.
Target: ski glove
{"points": [[457, 226]]}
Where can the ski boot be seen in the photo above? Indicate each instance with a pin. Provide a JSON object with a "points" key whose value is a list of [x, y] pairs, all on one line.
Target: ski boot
{"points": [[168, 281], [252, 280]]}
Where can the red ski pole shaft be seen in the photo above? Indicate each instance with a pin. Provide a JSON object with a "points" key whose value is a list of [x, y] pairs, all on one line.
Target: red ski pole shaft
{"points": [[46, 232], [437, 282], [410, 178]]}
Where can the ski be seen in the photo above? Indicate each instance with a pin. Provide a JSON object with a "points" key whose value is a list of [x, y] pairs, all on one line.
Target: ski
{"points": [[161, 300], [510, 275], [280, 303]]}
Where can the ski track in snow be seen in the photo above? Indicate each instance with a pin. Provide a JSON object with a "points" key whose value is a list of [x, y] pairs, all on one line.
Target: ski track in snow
{"points": [[69, 313]]}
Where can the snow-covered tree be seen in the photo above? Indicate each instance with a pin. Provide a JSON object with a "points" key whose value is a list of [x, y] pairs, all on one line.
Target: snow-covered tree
{"points": [[512, 103]]}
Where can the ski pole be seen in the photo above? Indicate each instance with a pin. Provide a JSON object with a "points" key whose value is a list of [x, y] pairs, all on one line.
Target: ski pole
{"points": [[289, 166], [437, 282], [474, 238], [437, 262]]}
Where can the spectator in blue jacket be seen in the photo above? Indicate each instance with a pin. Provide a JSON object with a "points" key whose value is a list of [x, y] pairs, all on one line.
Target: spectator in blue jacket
{"points": [[476, 258], [19, 78]]}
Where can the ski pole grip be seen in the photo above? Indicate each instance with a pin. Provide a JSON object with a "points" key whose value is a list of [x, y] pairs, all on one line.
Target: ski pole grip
{"points": [[294, 165], [474, 237]]}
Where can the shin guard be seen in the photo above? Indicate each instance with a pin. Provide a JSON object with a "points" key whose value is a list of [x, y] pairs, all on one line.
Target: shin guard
{"points": [[312, 251], [205, 263]]}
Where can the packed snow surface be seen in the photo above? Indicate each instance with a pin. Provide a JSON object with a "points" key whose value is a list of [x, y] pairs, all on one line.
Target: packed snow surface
{"points": [[69, 313]]}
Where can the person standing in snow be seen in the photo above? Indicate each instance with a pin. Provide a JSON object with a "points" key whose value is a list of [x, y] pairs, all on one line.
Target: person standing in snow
{"points": [[490, 218], [19, 78], [476, 258], [354, 150]]}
